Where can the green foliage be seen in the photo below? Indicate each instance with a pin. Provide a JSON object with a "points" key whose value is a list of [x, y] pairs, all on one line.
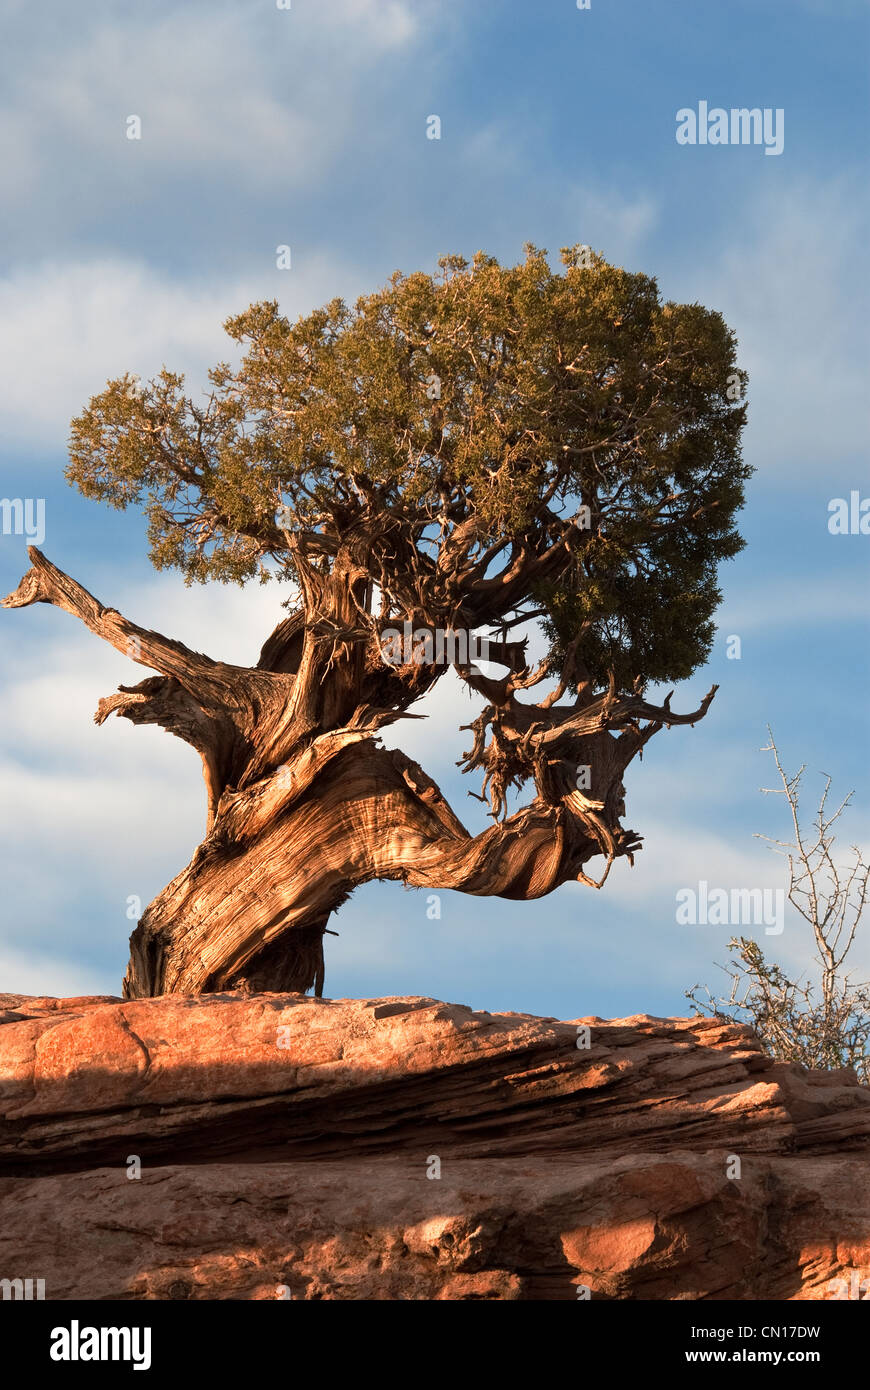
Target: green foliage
{"points": [[482, 402]]}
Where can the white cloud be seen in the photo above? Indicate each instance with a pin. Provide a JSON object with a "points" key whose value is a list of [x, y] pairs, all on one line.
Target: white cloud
{"points": [[786, 285], [678, 855], [257, 94], [390, 23]]}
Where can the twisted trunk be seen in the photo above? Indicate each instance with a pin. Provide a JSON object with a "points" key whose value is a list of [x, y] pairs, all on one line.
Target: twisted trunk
{"points": [[253, 904], [304, 805]]}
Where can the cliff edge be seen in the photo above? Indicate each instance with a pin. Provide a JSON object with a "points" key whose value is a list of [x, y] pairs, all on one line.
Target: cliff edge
{"points": [[258, 1146]]}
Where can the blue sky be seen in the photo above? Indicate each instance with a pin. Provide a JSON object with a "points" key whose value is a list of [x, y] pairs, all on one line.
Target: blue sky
{"points": [[307, 127]]}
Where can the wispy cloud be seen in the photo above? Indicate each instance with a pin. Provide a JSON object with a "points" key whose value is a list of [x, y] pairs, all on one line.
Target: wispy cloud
{"points": [[786, 286], [66, 329], [248, 94]]}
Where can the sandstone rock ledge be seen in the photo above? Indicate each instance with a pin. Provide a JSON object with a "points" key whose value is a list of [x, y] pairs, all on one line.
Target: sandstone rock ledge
{"points": [[286, 1141]]}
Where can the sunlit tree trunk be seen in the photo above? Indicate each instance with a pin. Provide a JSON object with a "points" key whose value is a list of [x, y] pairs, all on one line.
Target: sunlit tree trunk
{"points": [[304, 804]]}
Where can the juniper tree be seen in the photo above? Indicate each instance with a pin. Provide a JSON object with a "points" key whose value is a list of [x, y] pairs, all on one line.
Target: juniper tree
{"points": [[464, 451]]}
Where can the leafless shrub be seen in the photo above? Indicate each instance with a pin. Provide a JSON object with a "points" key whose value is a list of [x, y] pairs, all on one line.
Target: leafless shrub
{"points": [[822, 1022]]}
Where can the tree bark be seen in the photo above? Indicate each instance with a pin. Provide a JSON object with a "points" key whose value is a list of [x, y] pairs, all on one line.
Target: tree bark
{"points": [[252, 905]]}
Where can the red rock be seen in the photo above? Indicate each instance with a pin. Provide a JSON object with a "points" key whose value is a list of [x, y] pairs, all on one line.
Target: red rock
{"points": [[305, 1165]]}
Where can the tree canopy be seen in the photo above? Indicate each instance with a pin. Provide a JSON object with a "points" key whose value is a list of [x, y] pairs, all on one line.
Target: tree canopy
{"points": [[489, 443]]}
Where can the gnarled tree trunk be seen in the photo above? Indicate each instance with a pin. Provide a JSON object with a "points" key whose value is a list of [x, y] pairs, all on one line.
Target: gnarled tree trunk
{"points": [[304, 805]]}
